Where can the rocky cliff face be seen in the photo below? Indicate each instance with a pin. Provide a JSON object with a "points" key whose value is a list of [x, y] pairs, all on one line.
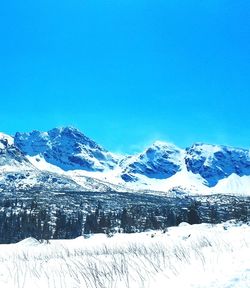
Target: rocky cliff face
{"points": [[11, 158], [159, 161], [214, 162], [66, 148], [78, 156]]}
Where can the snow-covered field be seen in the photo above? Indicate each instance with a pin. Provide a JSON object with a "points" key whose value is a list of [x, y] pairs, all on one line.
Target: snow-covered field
{"points": [[186, 256]]}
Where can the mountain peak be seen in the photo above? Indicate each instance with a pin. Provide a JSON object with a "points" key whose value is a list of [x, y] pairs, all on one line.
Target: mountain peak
{"points": [[67, 148], [216, 162], [160, 161], [163, 145], [72, 134], [65, 129]]}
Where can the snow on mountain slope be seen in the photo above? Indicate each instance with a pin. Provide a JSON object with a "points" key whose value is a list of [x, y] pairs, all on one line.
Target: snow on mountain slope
{"points": [[17, 172], [196, 170], [183, 181], [68, 153], [40, 163], [11, 158], [159, 161], [214, 162], [66, 148], [234, 184], [7, 138], [89, 181]]}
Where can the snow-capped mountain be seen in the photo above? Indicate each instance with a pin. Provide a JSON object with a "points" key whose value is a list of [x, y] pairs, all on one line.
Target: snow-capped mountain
{"points": [[66, 148], [215, 162], [18, 173], [159, 161], [70, 160], [11, 158]]}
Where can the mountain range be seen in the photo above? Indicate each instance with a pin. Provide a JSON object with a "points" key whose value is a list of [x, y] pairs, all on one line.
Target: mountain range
{"points": [[65, 159]]}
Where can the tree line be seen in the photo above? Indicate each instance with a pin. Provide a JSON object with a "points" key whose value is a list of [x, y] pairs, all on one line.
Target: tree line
{"points": [[19, 220]]}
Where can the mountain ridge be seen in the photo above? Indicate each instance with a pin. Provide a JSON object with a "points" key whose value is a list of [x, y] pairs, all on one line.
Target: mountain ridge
{"points": [[162, 166]]}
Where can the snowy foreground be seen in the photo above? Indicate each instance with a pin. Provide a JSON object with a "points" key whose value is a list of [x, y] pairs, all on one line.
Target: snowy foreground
{"points": [[185, 256]]}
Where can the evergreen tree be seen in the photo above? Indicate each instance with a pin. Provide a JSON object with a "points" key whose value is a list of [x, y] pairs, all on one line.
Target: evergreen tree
{"points": [[193, 214]]}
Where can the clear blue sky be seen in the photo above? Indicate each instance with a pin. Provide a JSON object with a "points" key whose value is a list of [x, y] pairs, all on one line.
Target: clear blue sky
{"points": [[128, 72]]}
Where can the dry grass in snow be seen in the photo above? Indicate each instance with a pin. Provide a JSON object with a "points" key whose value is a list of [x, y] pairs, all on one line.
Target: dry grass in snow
{"points": [[185, 256]]}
